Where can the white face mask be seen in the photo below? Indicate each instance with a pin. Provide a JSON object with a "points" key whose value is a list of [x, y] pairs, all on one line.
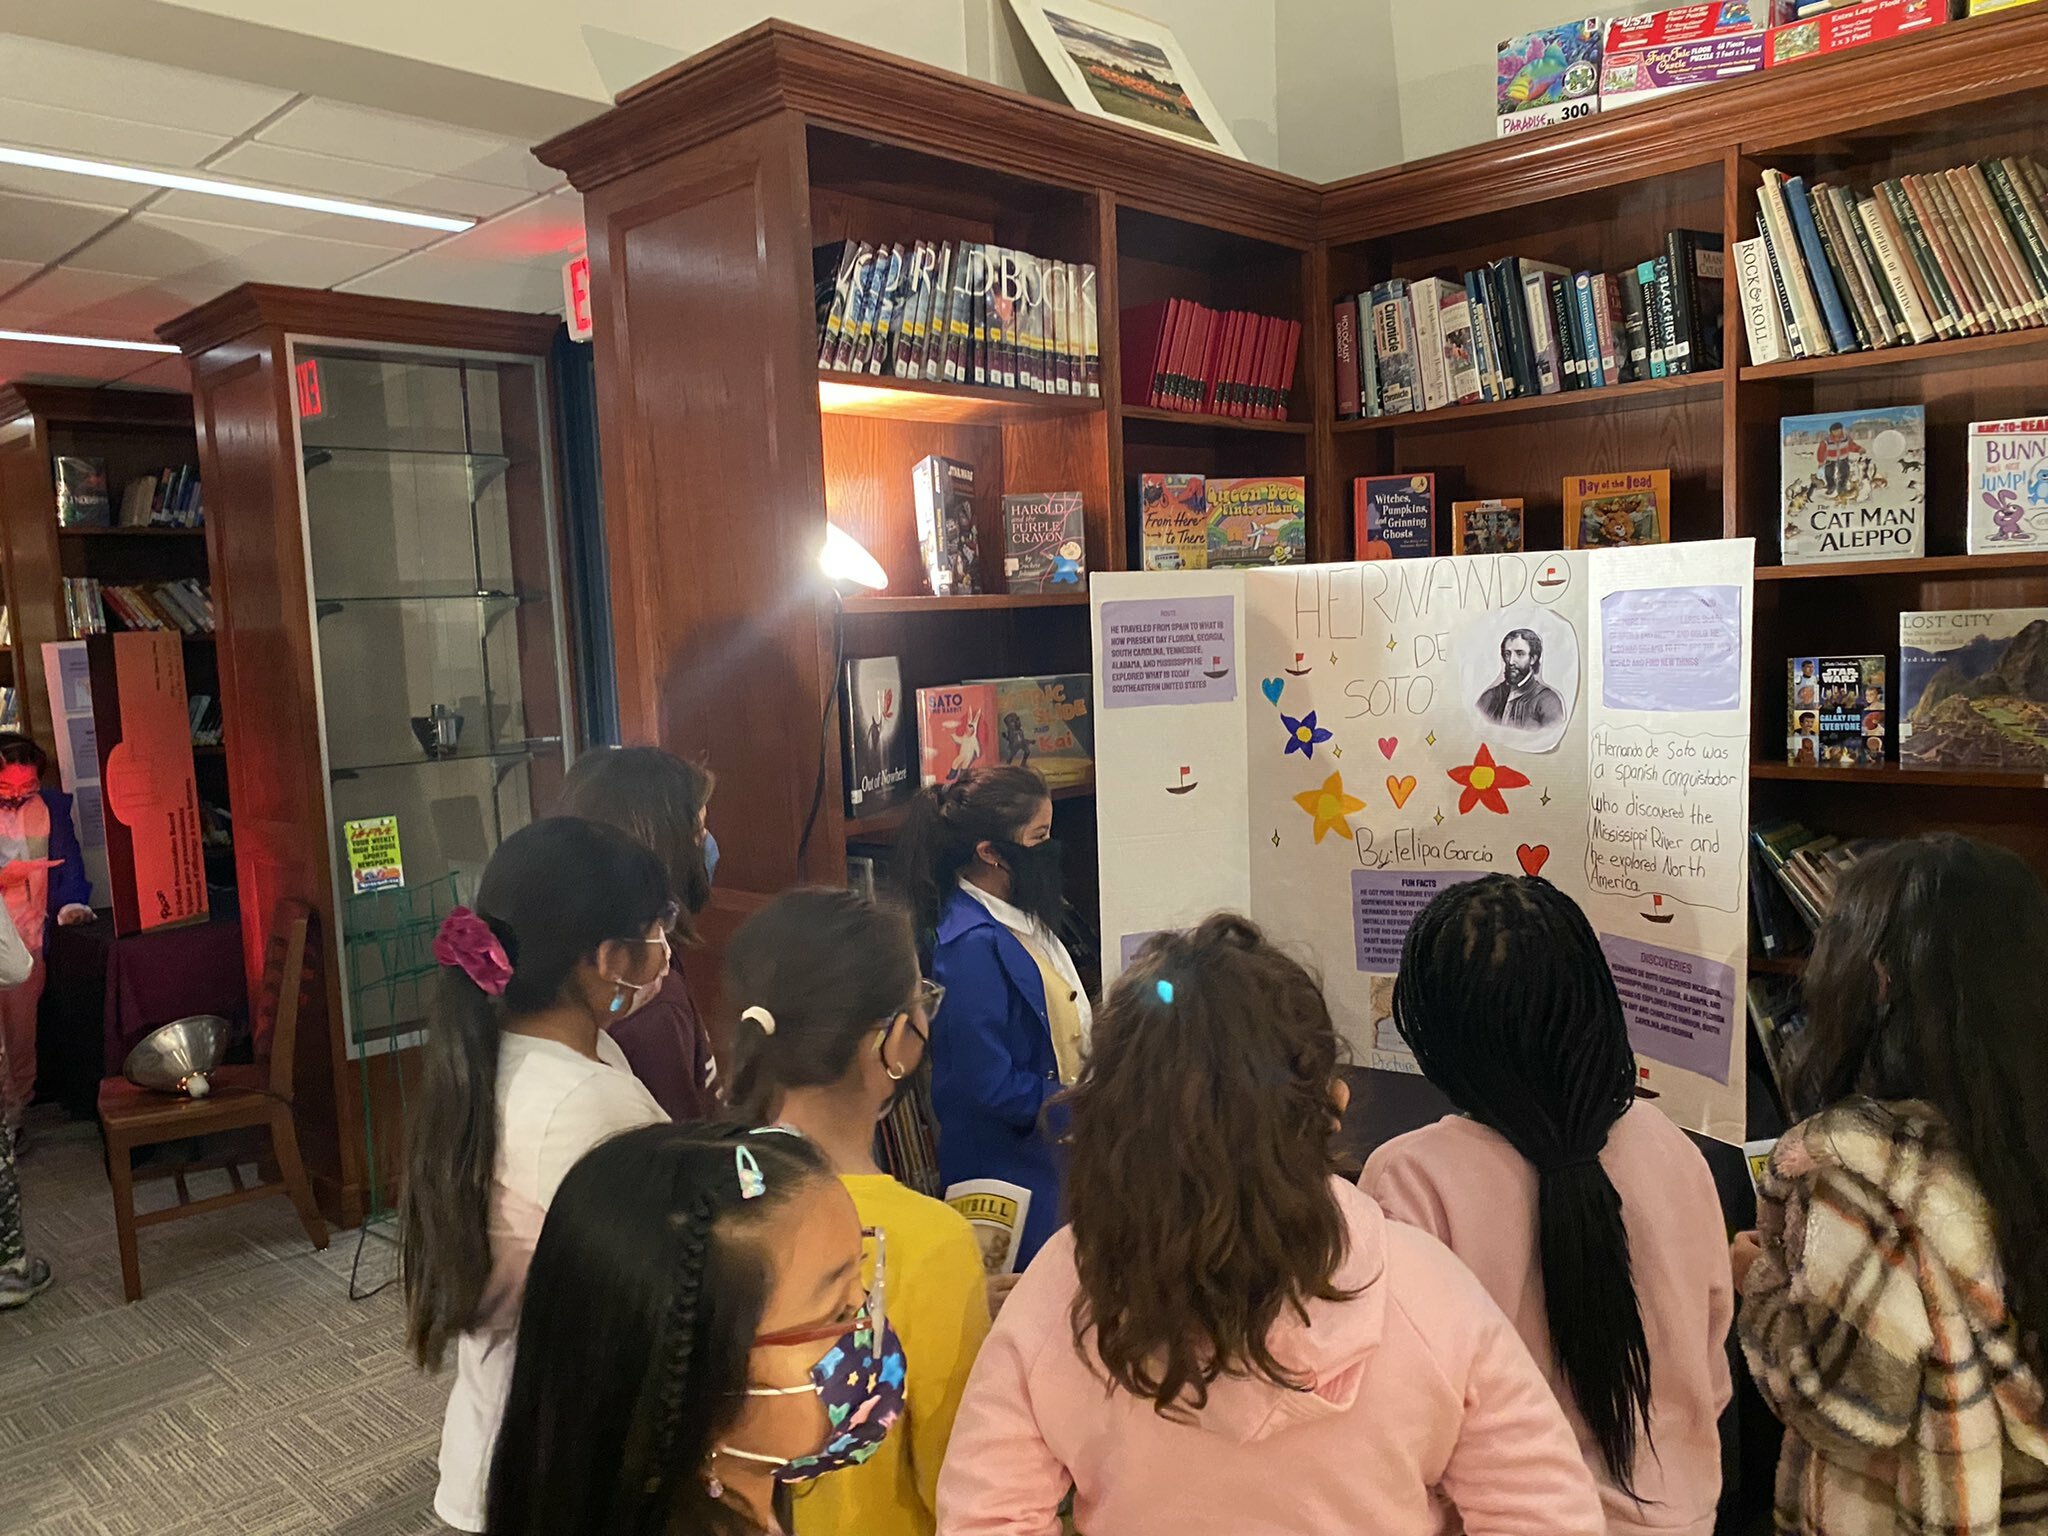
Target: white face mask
{"points": [[629, 996]]}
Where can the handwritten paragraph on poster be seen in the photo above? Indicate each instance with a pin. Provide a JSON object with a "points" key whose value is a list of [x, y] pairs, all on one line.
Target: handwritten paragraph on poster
{"points": [[1666, 815]]}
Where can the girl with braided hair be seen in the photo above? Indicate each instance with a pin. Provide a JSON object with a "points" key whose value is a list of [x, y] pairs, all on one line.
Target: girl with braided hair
{"points": [[834, 1025], [518, 1079], [691, 1284], [1229, 1338], [1587, 1215], [979, 868]]}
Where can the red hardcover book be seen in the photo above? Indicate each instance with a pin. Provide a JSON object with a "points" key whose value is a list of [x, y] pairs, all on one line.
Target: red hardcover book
{"points": [[1255, 367], [1344, 328], [1276, 360], [1230, 399], [1173, 395], [1138, 332], [1212, 352], [1197, 350], [1162, 358], [1290, 355], [1217, 390]]}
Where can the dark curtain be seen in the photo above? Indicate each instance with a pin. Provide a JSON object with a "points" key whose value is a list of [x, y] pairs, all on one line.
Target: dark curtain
{"points": [[587, 581]]}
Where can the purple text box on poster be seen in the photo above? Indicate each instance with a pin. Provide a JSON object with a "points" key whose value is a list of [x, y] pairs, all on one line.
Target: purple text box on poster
{"points": [[1169, 651], [1384, 903], [1672, 648], [1680, 1007], [1131, 944]]}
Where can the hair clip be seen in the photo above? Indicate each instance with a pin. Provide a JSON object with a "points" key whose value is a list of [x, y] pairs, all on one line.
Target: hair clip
{"points": [[1165, 990], [762, 1017], [752, 1184]]}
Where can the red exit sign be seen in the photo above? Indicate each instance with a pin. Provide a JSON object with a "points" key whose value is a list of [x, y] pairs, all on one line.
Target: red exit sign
{"points": [[307, 374], [576, 297]]}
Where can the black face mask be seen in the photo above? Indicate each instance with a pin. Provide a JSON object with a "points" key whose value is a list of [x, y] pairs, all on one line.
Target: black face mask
{"points": [[1035, 879]]}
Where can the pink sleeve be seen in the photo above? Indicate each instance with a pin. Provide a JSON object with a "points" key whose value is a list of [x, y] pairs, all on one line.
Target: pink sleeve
{"points": [[1404, 1190], [1000, 1478], [1516, 1469]]}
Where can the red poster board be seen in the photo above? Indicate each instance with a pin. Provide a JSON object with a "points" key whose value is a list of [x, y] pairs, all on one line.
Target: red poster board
{"points": [[154, 858]]}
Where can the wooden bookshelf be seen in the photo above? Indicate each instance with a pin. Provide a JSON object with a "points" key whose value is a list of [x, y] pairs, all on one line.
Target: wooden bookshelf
{"points": [[1915, 778]]}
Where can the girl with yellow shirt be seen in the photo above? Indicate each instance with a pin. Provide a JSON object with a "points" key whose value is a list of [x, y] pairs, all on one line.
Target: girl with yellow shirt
{"points": [[834, 1022]]}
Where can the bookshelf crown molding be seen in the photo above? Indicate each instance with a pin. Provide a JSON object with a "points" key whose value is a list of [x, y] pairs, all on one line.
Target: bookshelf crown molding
{"points": [[313, 312]]}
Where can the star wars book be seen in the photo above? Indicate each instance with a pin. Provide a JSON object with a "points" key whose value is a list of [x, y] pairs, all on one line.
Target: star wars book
{"points": [[1836, 713], [944, 490]]}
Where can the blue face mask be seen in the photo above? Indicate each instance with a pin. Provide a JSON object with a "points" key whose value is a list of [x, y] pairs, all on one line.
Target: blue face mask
{"points": [[710, 854]]}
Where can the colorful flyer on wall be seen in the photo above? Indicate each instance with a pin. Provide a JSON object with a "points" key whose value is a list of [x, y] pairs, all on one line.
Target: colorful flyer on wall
{"points": [[374, 860]]}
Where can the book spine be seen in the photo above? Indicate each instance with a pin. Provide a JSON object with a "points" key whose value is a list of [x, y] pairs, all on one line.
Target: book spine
{"points": [[1482, 339], [1606, 320], [835, 316], [1963, 235], [1945, 313], [1503, 302], [1678, 355], [1542, 337], [1972, 318], [2030, 293], [2027, 198], [1840, 329], [1370, 402], [1563, 302], [1344, 327], [1760, 321], [1635, 322], [1589, 328], [1842, 269], [2025, 236], [1901, 284], [1091, 335], [912, 329], [1427, 301], [1665, 316], [1785, 253], [858, 297], [1869, 268]]}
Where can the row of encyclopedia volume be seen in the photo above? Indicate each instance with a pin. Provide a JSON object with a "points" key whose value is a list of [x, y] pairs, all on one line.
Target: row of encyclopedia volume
{"points": [[957, 312], [1959, 252], [1514, 328], [1182, 356]]}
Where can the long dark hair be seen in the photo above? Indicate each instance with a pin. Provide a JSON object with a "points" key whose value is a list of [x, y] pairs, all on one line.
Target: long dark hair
{"points": [[1925, 984], [947, 822], [18, 748], [552, 893], [1507, 1002], [657, 799], [831, 968], [1199, 1164], [642, 1303]]}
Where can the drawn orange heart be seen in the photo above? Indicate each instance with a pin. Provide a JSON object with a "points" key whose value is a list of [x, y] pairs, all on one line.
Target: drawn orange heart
{"points": [[1400, 789], [1533, 858]]}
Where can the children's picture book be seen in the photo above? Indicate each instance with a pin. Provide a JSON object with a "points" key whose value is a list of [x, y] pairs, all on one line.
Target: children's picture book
{"points": [[996, 1209], [879, 750], [946, 534], [1836, 712], [1173, 513], [1044, 546], [1491, 527], [1973, 689], [1258, 520], [81, 491], [1045, 723], [956, 730], [1609, 511], [1853, 485], [1551, 76], [1394, 517], [2008, 485]]}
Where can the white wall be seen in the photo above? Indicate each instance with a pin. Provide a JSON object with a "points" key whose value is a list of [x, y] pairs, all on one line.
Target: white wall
{"points": [[1339, 100], [1444, 50]]}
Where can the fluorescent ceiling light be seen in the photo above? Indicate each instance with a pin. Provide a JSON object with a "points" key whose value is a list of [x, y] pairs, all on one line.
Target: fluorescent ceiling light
{"points": [[144, 176], [44, 339]]}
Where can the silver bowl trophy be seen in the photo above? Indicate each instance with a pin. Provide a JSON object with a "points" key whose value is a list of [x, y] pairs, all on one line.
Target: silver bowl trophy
{"points": [[177, 1057], [438, 731]]}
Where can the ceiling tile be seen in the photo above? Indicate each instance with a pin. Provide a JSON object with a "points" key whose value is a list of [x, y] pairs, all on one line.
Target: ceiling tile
{"points": [[154, 246], [63, 131], [55, 185], [79, 302], [442, 276], [365, 181], [14, 273], [161, 373], [295, 221], [51, 75], [21, 363], [549, 226], [385, 138], [39, 229]]}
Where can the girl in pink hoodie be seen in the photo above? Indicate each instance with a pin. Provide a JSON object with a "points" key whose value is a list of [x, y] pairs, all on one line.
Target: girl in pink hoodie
{"points": [[1228, 1339], [1585, 1213]]}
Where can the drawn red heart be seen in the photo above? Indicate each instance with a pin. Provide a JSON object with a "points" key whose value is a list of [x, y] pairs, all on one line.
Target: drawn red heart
{"points": [[1387, 745], [1533, 858]]}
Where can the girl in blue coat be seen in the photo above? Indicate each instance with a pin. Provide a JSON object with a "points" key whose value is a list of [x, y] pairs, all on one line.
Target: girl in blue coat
{"points": [[981, 872]]}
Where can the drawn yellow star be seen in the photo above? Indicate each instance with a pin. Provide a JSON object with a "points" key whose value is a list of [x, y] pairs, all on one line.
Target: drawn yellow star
{"points": [[1390, 642], [1276, 837], [1333, 658], [1336, 751], [1329, 806], [1546, 797], [1431, 738]]}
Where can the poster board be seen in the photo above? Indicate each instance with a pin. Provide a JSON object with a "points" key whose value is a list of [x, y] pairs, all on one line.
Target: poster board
{"points": [[67, 671], [1324, 747], [143, 732]]}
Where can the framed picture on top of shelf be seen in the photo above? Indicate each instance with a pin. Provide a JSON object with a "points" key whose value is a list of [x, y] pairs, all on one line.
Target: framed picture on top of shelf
{"points": [[1125, 67]]}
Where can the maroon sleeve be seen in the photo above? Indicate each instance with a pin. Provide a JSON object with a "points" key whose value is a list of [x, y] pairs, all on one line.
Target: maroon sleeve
{"points": [[670, 1052]]}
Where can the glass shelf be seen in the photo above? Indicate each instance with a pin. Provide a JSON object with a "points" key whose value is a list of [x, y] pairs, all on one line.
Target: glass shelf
{"points": [[482, 468], [511, 751], [324, 607]]}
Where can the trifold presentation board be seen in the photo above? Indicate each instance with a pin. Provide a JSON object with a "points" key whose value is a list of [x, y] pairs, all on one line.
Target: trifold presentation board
{"points": [[1324, 747]]}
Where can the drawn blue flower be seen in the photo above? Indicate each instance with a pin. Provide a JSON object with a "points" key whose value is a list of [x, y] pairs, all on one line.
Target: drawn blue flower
{"points": [[1303, 735]]}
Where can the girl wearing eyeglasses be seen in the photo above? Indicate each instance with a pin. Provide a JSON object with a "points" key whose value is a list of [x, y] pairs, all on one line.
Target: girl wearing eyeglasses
{"points": [[834, 1025], [696, 1340]]}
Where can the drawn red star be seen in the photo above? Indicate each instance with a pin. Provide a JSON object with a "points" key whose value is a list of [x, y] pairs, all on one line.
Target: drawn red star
{"points": [[1483, 780]]}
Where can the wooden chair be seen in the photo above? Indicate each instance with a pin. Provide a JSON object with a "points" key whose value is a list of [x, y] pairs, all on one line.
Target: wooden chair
{"points": [[243, 1097]]}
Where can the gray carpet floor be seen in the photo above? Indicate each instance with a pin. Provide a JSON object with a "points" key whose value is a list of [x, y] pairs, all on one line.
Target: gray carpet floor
{"points": [[245, 1393]]}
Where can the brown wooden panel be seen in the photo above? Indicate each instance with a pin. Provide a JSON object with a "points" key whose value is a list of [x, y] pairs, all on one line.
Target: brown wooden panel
{"points": [[356, 317]]}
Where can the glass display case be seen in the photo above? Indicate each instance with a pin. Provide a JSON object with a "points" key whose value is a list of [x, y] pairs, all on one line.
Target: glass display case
{"points": [[434, 583]]}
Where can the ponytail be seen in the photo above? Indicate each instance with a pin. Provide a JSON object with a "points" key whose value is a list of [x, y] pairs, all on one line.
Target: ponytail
{"points": [[1507, 1002], [945, 825], [552, 893]]}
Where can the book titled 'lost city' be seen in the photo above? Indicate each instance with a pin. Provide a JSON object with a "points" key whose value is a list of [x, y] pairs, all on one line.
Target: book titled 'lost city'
{"points": [[1973, 689]]}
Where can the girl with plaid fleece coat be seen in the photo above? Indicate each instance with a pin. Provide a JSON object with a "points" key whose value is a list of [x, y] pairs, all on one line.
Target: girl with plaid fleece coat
{"points": [[1896, 1291]]}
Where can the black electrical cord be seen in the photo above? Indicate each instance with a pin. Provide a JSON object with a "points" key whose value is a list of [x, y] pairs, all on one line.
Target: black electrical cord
{"points": [[803, 843]]}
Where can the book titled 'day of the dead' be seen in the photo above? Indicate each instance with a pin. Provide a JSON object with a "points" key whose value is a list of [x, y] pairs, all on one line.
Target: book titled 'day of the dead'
{"points": [[1853, 485], [1610, 511], [1973, 689]]}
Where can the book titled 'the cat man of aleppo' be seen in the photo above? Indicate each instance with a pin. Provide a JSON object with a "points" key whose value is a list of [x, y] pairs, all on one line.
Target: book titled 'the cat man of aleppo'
{"points": [[1853, 485], [1973, 689]]}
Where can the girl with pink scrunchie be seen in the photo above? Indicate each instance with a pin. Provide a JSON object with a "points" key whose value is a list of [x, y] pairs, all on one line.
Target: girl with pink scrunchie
{"points": [[518, 1079]]}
